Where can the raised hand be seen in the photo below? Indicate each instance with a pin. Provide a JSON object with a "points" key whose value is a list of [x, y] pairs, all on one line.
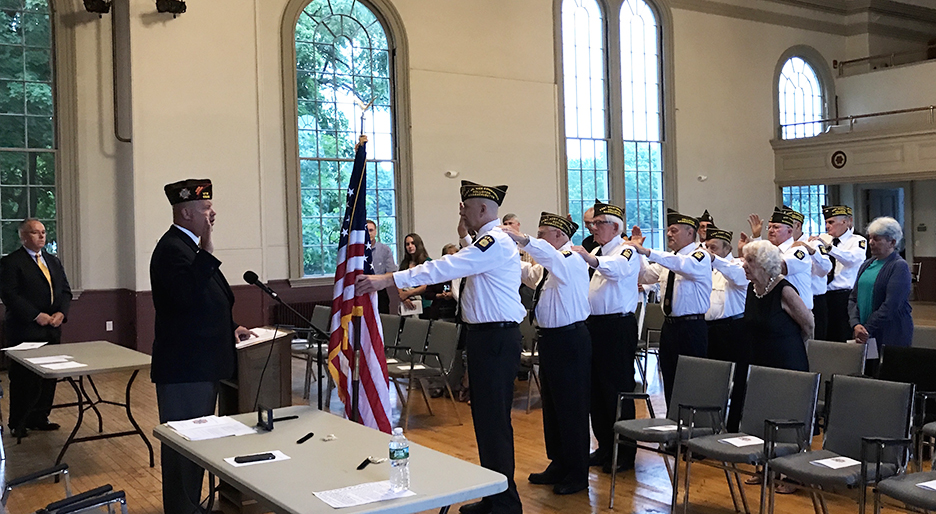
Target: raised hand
{"points": [[757, 225]]}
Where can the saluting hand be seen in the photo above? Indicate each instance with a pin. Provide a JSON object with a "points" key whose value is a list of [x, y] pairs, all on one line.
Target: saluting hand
{"points": [[808, 248], [589, 258], [743, 239], [637, 236], [757, 225]]}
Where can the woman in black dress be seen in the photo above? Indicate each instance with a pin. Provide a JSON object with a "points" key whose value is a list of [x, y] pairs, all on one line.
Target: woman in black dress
{"points": [[775, 317]]}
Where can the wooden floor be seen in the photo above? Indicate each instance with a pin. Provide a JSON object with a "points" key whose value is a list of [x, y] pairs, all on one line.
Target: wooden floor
{"points": [[123, 462]]}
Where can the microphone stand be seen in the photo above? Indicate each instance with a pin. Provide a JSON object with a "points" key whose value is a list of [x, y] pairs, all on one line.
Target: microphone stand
{"points": [[312, 329]]}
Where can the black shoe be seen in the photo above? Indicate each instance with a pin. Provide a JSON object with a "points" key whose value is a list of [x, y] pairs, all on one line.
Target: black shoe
{"points": [[597, 458], [570, 487], [552, 475], [18, 433], [45, 426], [622, 467], [481, 507]]}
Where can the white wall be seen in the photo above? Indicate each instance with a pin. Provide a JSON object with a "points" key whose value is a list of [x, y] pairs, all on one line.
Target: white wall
{"points": [[724, 112], [902, 87]]}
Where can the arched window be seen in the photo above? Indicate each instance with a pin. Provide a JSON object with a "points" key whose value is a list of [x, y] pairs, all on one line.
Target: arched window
{"points": [[614, 150], [801, 99], [345, 87], [27, 121]]}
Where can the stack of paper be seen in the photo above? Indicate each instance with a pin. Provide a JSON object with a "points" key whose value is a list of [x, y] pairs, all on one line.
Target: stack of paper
{"points": [[931, 485], [56, 362], [361, 494], [745, 440], [25, 346], [836, 462], [210, 427]]}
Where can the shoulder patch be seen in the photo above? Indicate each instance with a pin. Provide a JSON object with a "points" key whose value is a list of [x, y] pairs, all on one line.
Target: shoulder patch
{"points": [[485, 242], [823, 249], [862, 244], [566, 253], [699, 255], [799, 254], [628, 253]]}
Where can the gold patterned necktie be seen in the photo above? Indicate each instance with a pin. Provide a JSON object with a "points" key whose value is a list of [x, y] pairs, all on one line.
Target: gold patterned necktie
{"points": [[45, 271]]}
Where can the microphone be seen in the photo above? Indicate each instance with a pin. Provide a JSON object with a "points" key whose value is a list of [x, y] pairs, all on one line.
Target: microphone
{"points": [[251, 278]]}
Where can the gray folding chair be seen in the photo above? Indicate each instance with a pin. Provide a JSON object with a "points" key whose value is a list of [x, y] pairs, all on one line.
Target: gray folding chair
{"points": [[700, 386], [924, 337], [775, 399], [307, 348], [833, 358], [864, 414], [529, 358], [413, 339], [391, 328], [57, 472], [435, 362], [905, 489], [649, 342]]}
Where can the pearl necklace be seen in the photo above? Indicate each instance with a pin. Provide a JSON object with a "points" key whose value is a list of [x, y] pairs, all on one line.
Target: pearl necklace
{"points": [[767, 289]]}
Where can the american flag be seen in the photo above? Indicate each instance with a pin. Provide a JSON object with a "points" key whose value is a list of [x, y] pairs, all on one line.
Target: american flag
{"points": [[354, 258]]}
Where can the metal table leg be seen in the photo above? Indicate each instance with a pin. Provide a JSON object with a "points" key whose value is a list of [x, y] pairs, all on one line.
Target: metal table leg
{"points": [[81, 409]]}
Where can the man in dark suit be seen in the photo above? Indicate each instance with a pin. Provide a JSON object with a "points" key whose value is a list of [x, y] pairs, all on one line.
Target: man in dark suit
{"points": [[36, 295], [195, 340]]}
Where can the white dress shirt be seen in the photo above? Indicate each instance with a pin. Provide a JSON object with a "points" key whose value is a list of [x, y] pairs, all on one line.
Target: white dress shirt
{"points": [[613, 287], [849, 255], [564, 297], [821, 265], [188, 233], [693, 283], [799, 270], [491, 268], [729, 288]]}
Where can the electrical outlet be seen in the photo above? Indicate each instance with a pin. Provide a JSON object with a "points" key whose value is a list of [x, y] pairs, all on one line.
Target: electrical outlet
{"points": [[109, 326]]}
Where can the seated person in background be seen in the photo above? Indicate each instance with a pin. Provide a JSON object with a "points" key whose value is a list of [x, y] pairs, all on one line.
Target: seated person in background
{"points": [[442, 296], [414, 254]]}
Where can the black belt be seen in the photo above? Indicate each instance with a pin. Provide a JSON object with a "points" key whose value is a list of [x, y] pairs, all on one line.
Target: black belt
{"points": [[566, 328], [611, 316], [725, 320], [473, 327], [690, 317], [839, 291], [818, 295]]}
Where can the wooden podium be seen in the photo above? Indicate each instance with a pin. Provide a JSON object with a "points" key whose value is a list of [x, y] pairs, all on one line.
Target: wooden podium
{"points": [[239, 395]]}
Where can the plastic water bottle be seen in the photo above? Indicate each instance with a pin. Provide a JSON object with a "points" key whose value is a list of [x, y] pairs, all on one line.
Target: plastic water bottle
{"points": [[399, 461]]}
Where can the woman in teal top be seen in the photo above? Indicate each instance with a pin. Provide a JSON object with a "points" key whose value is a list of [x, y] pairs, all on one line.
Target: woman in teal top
{"points": [[879, 305]]}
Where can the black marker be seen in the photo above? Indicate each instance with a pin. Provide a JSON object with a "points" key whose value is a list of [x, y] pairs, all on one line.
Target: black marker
{"points": [[254, 458], [305, 438], [363, 464], [285, 418]]}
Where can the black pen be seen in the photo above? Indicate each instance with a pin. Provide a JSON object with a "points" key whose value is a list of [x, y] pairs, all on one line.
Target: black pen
{"points": [[305, 438], [285, 418]]}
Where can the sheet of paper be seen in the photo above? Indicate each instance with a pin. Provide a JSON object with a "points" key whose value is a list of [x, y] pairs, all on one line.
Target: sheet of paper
{"points": [[872, 348], [361, 494], [57, 366], [261, 335], [663, 428], [25, 346], [210, 427], [278, 455], [931, 485], [746, 440], [836, 462], [51, 359]]}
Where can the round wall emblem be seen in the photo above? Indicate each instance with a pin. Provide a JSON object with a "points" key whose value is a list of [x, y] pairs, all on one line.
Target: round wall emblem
{"points": [[839, 159]]}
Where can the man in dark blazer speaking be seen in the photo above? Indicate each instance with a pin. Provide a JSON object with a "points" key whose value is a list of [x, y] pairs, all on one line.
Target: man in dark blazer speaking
{"points": [[36, 295], [195, 340]]}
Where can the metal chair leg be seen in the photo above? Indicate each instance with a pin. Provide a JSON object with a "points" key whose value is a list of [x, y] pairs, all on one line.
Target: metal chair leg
{"points": [[614, 457], [744, 502], [425, 392], [452, 398], [734, 498]]}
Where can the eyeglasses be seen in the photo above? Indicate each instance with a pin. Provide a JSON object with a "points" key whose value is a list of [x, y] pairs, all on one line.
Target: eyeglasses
{"points": [[603, 222], [589, 223]]}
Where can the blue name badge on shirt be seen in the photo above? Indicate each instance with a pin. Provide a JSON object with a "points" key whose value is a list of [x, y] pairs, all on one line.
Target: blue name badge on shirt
{"points": [[485, 242], [699, 255], [799, 254]]}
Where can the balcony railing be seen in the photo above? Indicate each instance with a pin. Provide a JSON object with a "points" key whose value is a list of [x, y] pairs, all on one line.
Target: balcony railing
{"points": [[865, 64], [832, 123]]}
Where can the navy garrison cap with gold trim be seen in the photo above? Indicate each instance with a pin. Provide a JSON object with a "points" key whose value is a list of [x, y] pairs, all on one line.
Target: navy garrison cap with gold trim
{"points": [[673, 217], [706, 218], [607, 208], [471, 190], [188, 190], [786, 215], [713, 232], [830, 211], [567, 226]]}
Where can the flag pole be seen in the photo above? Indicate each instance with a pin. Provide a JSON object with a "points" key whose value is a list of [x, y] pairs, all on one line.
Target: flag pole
{"points": [[356, 315]]}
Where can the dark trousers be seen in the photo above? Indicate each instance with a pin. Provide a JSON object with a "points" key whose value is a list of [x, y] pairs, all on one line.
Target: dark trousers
{"points": [[493, 358], [614, 342], [383, 301], [565, 367], [181, 478], [31, 397], [680, 337], [839, 329], [820, 312], [726, 342]]}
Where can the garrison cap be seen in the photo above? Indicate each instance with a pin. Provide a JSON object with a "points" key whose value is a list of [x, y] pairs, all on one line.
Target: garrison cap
{"points": [[188, 190], [830, 211], [713, 232], [472, 190], [786, 215], [673, 217], [567, 226], [608, 209], [706, 217]]}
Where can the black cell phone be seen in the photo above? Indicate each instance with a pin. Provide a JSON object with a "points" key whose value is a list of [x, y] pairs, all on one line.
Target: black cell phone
{"points": [[243, 459]]}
